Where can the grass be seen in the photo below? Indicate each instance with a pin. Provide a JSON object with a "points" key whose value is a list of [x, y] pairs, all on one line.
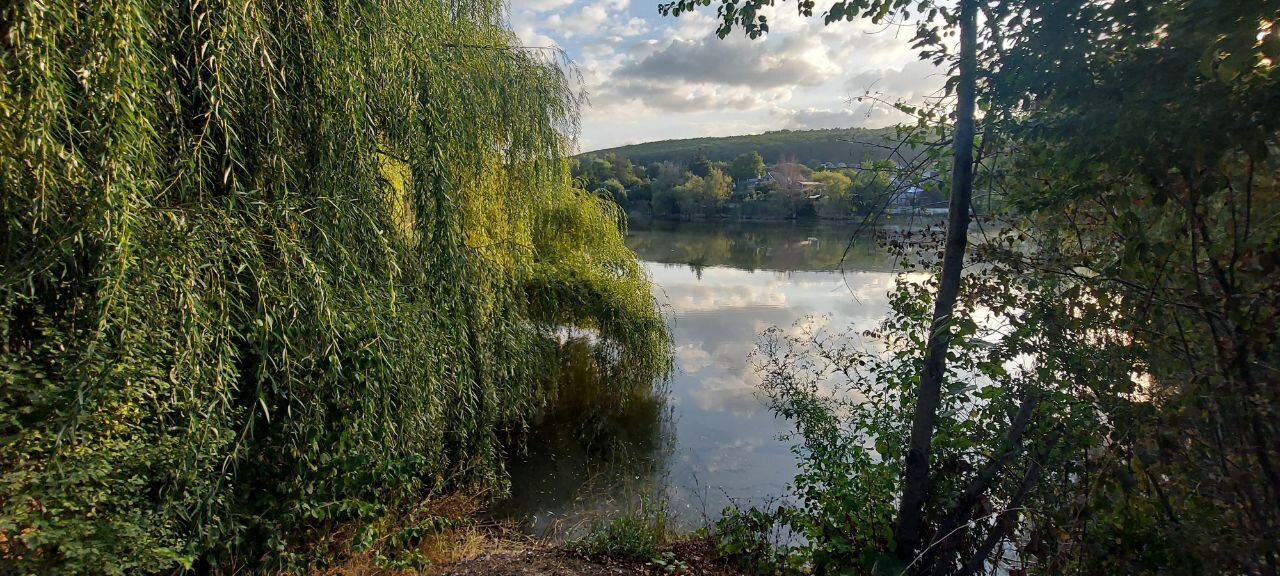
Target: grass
{"points": [[636, 533], [443, 531]]}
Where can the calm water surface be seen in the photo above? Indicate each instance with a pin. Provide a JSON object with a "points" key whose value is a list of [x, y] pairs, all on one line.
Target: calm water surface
{"points": [[703, 439]]}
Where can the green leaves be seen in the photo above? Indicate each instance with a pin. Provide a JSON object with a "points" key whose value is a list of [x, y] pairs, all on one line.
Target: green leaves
{"points": [[1270, 47], [271, 270]]}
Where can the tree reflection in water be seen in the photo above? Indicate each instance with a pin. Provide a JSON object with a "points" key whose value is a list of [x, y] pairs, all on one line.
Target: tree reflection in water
{"points": [[701, 438], [599, 448]]}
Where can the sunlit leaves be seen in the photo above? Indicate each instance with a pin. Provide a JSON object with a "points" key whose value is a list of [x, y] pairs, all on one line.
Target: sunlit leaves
{"points": [[746, 14]]}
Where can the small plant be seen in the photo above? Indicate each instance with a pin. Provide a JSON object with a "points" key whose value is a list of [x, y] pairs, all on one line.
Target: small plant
{"points": [[749, 538], [635, 534], [668, 563]]}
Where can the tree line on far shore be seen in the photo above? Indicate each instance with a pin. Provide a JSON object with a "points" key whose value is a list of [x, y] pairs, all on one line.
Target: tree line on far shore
{"points": [[747, 188]]}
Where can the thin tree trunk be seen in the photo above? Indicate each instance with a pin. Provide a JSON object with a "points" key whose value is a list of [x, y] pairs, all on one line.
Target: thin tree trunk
{"points": [[943, 553], [910, 524], [975, 563]]}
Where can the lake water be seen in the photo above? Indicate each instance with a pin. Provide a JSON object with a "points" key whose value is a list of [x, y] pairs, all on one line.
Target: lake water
{"points": [[703, 439]]}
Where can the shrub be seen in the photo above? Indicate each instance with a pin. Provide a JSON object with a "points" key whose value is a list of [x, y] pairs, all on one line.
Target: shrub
{"points": [[636, 533]]}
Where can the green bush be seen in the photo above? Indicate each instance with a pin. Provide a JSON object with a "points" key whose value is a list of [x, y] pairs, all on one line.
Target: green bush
{"points": [[749, 539], [636, 533]]}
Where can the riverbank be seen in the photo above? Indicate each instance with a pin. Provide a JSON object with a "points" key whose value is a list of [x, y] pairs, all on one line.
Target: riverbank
{"points": [[691, 556], [499, 553], [461, 534], [917, 217]]}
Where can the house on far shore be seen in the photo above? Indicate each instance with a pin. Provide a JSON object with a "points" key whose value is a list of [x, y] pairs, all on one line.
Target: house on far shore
{"points": [[792, 182], [906, 200]]}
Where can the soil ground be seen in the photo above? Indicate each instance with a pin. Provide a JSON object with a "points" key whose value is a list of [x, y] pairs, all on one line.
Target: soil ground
{"points": [[697, 558]]}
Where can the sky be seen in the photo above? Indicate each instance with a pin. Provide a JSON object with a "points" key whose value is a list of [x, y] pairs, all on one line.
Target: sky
{"points": [[652, 77]]}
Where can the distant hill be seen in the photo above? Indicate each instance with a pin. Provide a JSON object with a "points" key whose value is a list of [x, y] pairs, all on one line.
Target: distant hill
{"points": [[811, 147]]}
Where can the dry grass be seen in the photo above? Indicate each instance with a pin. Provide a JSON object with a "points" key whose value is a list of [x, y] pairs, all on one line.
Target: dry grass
{"points": [[460, 534]]}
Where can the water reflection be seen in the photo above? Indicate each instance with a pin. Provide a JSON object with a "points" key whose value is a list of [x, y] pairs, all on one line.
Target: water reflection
{"points": [[705, 439], [750, 246], [596, 450]]}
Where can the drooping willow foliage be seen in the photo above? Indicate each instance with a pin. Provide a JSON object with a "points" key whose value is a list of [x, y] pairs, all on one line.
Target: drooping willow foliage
{"points": [[271, 264]]}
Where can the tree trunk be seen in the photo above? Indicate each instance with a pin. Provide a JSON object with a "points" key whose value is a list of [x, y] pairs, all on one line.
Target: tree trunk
{"points": [[910, 522]]}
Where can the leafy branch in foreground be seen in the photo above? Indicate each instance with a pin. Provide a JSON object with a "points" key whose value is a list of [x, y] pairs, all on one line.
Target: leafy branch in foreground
{"points": [[1135, 144]]}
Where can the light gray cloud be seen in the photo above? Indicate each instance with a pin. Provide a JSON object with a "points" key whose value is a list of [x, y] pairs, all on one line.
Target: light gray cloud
{"points": [[643, 71], [710, 74], [687, 69], [916, 79], [811, 118], [730, 393], [678, 97], [850, 114], [734, 61]]}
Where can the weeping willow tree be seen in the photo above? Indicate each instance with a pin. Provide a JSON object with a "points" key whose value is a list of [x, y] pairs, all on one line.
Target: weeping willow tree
{"points": [[268, 266]]}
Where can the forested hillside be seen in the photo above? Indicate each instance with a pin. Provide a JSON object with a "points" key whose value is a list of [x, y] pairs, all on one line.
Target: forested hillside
{"points": [[272, 270], [811, 147]]}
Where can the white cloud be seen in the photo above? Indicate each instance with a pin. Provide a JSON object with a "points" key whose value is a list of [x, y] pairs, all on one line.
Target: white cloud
{"points": [[539, 5], [914, 80], [530, 37], [688, 298], [630, 28], [735, 61], [692, 358], [651, 77], [729, 393], [585, 20]]}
